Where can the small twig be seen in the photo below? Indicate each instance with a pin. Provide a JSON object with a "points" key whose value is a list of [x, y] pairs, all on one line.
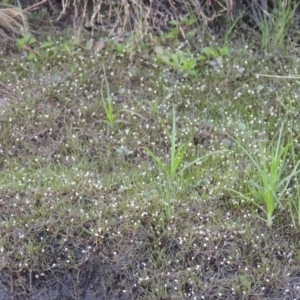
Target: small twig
{"points": [[278, 76], [30, 280], [52, 6], [34, 6]]}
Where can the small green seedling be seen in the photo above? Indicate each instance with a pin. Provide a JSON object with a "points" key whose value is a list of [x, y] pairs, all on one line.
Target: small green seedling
{"points": [[182, 62], [25, 43], [108, 106], [268, 192], [209, 53], [185, 62], [26, 40], [177, 154], [294, 203], [107, 103]]}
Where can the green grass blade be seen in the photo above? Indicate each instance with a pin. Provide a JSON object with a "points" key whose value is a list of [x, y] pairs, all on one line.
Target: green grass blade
{"points": [[201, 158], [173, 146], [157, 161]]}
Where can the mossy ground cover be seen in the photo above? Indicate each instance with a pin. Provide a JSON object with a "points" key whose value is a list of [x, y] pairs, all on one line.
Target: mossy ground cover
{"points": [[87, 213]]}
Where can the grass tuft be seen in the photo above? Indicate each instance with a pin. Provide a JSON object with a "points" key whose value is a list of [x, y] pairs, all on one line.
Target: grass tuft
{"points": [[13, 22], [272, 177]]}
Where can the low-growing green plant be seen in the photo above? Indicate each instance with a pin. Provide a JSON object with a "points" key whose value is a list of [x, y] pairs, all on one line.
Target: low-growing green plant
{"points": [[167, 37], [271, 170], [125, 47], [46, 49], [179, 60], [188, 20], [174, 34], [177, 153], [108, 106], [26, 41], [294, 199], [51, 48], [209, 53], [107, 103], [185, 62]]}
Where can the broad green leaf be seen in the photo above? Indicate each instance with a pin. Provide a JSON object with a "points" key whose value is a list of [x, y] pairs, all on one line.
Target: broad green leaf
{"points": [[31, 56], [210, 52], [47, 44], [224, 51], [165, 59]]}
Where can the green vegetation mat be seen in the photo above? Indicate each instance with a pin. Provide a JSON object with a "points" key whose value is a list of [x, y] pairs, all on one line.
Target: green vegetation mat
{"points": [[149, 168]]}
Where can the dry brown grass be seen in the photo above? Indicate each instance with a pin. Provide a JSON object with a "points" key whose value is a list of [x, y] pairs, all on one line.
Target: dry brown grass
{"points": [[144, 15], [6, 96], [13, 22], [149, 15]]}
